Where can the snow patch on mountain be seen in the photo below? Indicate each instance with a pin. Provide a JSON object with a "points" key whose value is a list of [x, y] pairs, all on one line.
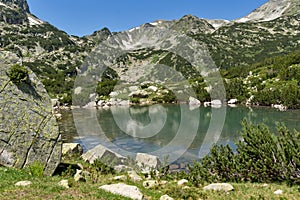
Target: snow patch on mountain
{"points": [[34, 20], [217, 23]]}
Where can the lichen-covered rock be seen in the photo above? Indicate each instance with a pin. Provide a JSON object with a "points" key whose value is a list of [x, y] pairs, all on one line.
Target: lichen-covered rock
{"points": [[146, 161], [28, 130]]}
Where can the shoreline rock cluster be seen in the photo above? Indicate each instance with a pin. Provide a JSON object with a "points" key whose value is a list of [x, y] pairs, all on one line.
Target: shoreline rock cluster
{"points": [[145, 163]]}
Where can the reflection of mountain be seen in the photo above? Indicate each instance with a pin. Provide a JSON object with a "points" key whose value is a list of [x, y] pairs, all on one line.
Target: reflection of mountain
{"points": [[99, 126]]}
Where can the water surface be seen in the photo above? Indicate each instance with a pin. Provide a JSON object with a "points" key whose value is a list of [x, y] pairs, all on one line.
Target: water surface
{"points": [[175, 131]]}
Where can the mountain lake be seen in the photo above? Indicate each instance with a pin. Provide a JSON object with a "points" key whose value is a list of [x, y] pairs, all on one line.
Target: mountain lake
{"points": [[176, 133]]}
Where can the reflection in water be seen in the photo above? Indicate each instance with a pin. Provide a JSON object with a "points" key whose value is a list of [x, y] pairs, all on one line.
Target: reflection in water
{"points": [[165, 129]]}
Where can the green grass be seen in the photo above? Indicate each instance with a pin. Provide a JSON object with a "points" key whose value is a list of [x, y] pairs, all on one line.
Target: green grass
{"points": [[48, 188]]}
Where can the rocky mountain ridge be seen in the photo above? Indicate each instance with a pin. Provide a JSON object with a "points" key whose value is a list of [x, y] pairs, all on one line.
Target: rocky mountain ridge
{"points": [[56, 57]]}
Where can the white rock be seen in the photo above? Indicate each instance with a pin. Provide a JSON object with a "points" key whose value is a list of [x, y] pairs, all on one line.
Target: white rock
{"points": [[194, 101], [78, 90], [280, 107], [216, 102], [232, 101], [72, 148], [165, 197], [90, 105], [78, 176], [133, 88], [64, 183], [134, 176], [124, 103], [182, 182], [146, 161], [105, 107], [58, 115], [23, 183], [101, 152], [113, 94], [122, 168], [120, 178], [153, 88], [54, 102], [93, 96], [124, 190], [278, 192], [219, 187], [139, 94], [206, 104]]}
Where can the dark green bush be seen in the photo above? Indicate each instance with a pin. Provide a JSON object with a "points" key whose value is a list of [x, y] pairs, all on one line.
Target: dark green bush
{"points": [[262, 156], [18, 74]]}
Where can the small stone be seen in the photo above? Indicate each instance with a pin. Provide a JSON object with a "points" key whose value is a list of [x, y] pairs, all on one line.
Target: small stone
{"points": [[194, 101], [120, 178], [78, 176], [23, 183], [174, 167], [219, 187], [278, 192], [134, 176], [265, 185], [182, 182], [72, 149], [122, 168], [124, 190], [153, 88], [166, 197], [150, 183], [163, 182], [64, 183]]}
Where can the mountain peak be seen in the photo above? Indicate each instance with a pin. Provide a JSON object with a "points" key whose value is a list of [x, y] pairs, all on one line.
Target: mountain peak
{"points": [[22, 4], [273, 9]]}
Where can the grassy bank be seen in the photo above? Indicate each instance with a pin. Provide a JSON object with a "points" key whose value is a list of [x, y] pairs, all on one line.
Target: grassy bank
{"points": [[48, 188]]}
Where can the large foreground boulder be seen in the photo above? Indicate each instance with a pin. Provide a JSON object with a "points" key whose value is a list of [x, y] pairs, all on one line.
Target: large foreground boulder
{"points": [[28, 130]]}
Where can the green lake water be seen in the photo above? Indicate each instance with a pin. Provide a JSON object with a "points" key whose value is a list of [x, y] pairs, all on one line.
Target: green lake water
{"points": [[177, 132]]}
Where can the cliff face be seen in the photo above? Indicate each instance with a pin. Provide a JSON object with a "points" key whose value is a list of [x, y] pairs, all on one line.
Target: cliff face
{"points": [[28, 130], [21, 4]]}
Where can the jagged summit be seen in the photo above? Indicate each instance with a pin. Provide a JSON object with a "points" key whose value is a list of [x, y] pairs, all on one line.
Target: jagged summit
{"points": [[273, 9], [22, 4]]}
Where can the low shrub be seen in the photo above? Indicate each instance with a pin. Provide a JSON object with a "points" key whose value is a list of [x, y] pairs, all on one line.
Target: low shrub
{"points": [[261, 156], [18, 74]]}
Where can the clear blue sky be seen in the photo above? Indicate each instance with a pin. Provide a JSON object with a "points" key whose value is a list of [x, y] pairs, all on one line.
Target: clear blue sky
{"points": [[83, 17]]}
